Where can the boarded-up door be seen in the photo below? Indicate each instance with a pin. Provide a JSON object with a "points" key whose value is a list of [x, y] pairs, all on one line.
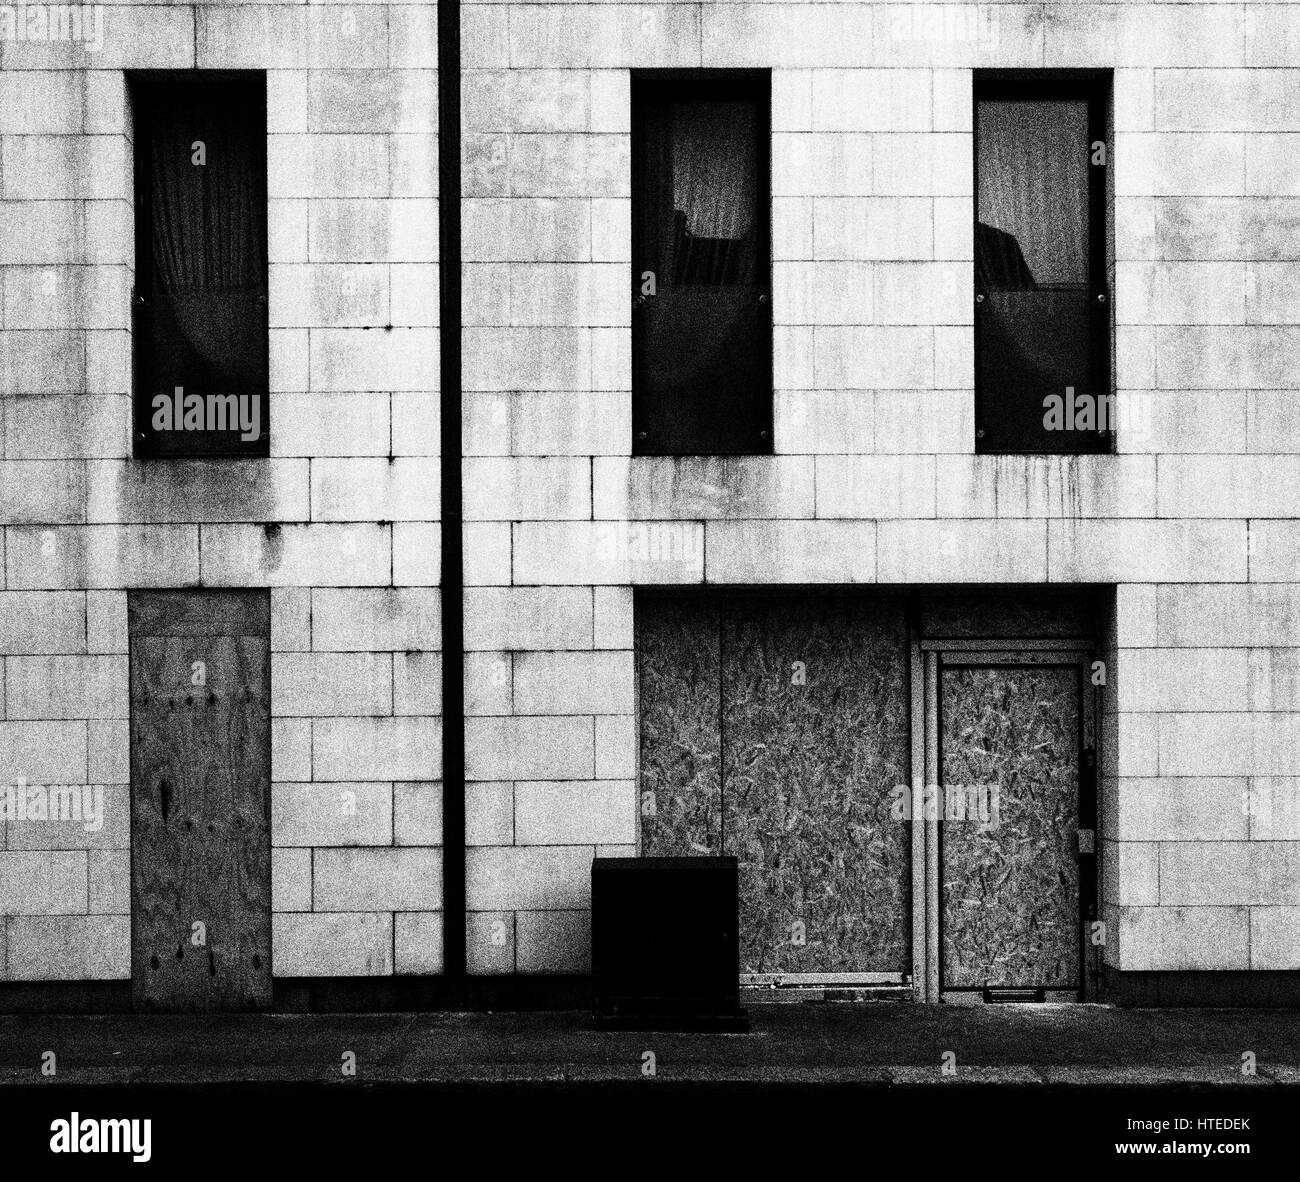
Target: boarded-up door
{"points": [[200, 791], [1010, 752], [776, 729]]}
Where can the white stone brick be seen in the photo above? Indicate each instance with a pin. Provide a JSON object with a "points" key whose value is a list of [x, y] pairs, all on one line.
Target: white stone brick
{"points": [[376, 749], [528, 618], [42, 622], [1227, 873], [66, 687], [1132, 877], [397, 489], [196, 490], [519, 100], [290, 749], [532, 229], [370, 879], [417, 942], [1275, 551], [417, 683], [616, 746], [364, 620], [642, 35], [1207, 616], [871, 100], [936, 420], [417, 813], [294, 555], [1046, 486], [43, 752], [352, 944], [108, 805], [314, 684], [400, 230], [528, 748], [108, 759], [290, 880], [487, 550], [606, 552], [488, 687], [855, 358], [573, 812], [529, 358], [67, 297], [574, 683], [489, 813], [41, 102], [330, 424], [1195, 809], [612, 612], [1146, 551], [43, 883], [873, 228], [110, 882], [790, 552], [490, 942], [527, 489], [562, 165], [693, 487], [956, 550], [417, 554], [817, 422], [528, 877], [1274, 938], [875, 486], [69, 947], [1179, 938], [101, 556], [553, 941]]}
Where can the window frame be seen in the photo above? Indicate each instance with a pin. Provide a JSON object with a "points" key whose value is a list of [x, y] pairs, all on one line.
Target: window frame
{"points": [[651, 89], [1094, 88], [143, 90]]}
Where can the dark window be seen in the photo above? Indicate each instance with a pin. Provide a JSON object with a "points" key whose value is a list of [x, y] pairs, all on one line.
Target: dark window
{"points": [[200, 322], [1042, 304], [701, 264]]}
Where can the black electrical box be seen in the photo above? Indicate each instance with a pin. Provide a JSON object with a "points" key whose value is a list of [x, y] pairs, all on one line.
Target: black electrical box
{"points": [[664, 948]]}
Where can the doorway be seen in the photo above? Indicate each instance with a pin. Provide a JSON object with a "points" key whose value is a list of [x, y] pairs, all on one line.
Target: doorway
{"points": [[200, 800], [907, 783]]}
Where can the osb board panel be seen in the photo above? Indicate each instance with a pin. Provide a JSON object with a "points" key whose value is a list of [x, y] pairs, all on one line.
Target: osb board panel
{"points": [[200, 829], [1019, 614], [815, 737], [199, 613], [1010, 884], [678, 683]]}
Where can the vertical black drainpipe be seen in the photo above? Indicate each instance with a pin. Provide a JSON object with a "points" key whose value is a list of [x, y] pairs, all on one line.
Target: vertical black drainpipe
{"points": [[453, 565]]}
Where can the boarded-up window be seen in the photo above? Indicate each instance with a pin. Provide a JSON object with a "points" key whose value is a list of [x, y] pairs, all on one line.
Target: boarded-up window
{"points": [[200, 307], [776, 729], [702, 322], [1042, 307]]}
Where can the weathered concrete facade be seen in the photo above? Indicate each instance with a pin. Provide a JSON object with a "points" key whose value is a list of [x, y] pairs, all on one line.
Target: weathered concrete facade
{"points": [[341, 522], [874, 479]]}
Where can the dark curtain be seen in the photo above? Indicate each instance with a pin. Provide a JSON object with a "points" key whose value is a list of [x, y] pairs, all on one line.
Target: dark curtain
{"points": [[1032, 268], [702, 352], [206, 272]]}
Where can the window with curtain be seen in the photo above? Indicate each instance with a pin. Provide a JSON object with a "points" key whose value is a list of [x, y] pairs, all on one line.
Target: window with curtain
{"points": [[200, 323], [1042, 310], [701, 322]]}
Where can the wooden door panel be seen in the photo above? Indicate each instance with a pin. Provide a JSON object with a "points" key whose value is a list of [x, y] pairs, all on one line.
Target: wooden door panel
{"points": [[815, 738], [1010, 885], [200, 775], [681, 750]]}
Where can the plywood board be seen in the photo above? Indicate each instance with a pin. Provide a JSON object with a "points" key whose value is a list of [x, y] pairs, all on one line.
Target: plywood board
{"points": [[815, 737], [678, 683], [1010, 884], [200, 783]]}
